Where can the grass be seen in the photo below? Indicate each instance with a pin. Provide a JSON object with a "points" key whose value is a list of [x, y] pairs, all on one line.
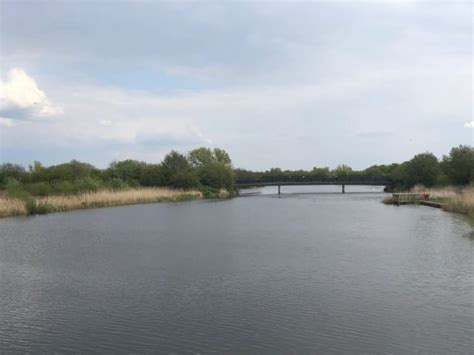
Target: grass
{"points": [[454, 199], [105, 198], [12, 207]]}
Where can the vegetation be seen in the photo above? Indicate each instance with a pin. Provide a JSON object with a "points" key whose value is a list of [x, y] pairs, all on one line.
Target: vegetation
{"points": [[459, 199], [456, 168], [200, 173], [204, 172]]}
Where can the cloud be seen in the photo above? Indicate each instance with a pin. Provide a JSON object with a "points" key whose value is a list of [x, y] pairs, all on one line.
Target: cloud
{"points": [[469, 124], [5, 122], [21, 98], [105, 123]]}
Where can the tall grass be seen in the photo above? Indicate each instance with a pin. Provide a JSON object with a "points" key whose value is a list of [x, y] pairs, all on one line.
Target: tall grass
{"points": [[54, 203], [116, 198], [12, 207], [454, 199]]}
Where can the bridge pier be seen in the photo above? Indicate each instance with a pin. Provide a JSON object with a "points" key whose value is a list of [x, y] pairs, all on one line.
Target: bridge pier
{"points": [[279, 190], [343, 188]]}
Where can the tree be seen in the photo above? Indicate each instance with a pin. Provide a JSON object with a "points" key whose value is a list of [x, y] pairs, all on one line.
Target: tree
{"points": [[127, 170], [150, 175], [213, 167], [200, 156], [459, 165], [373, 170], [15, 171], [222, 157], [321, 172], [342, 170], [176, 171], [217, 175], [423, 169]]}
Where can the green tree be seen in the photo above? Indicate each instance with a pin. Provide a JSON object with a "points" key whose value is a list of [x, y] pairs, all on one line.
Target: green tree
{"points": [[217, 175], [342, 170], [459, 165], [129, 171], [176, 171], [15, 171], [321, 172], [151, 175], [222, 157], [200, 156], [423, 169]]}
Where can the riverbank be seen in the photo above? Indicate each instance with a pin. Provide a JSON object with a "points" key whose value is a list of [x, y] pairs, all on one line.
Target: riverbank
{"points": [[452, 198], [18, 206]]}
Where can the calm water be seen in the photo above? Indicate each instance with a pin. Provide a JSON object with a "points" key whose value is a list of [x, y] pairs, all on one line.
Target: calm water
{"points": [[300, 273]]}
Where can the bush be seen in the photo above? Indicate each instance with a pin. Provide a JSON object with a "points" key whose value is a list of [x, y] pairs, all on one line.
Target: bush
{"points": [[116, 184], [39, 188], [216, 175]]}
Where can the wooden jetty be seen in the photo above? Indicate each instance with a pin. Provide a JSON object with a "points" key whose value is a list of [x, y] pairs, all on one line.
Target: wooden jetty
{"points": [[407, 198], [411, 198]]}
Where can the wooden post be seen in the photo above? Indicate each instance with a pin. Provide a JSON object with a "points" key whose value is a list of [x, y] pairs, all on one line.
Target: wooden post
{"points": [[343, 188], [279, 190]]}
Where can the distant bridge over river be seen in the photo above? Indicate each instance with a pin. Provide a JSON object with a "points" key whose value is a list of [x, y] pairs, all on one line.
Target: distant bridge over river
{"points": [[282, 180]]}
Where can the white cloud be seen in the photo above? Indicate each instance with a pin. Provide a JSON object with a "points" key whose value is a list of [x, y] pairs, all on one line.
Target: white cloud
{"points": [[469, 124], [105, 123], [5, 122], [21, 98]]}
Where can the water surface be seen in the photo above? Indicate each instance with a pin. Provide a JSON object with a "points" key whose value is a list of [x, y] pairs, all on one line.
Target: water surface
{"points": [[299, 273]]}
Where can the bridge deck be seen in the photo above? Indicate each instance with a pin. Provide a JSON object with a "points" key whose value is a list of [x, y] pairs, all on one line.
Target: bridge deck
{"points": [[312, 180], [291, 183]]}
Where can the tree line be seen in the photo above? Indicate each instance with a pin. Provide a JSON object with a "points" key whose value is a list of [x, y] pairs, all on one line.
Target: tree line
{"points": [[202, 168], [211, 170], [455, 168]]}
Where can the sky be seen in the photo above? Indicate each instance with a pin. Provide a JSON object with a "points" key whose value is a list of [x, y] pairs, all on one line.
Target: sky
{"points": [[276, 84]]}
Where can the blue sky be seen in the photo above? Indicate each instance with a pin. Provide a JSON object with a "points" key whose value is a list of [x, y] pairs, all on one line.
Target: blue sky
{"points": [[287, 84]]}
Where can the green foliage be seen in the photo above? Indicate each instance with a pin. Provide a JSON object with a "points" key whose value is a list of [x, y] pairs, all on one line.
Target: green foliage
{"points": [[217, 175], [176, 171], [129, 171], [213, 168], [342, 170], [116, 184], [151, 175], [63, 172], [423, 169], [459, 165], [202, 156], [40, 188], [321, 172], [12, 171]]}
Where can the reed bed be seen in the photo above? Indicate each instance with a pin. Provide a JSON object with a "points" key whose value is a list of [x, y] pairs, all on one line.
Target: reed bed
{"points": [[106, 198], [454, 199], [10, 207]]}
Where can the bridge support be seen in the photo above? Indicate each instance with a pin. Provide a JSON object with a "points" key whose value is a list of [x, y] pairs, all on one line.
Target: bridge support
{"points": [[279, 190], [343, 188]]}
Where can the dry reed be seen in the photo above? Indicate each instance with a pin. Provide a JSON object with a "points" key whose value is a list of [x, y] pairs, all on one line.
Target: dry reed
{"points": [[18, 207], [12, 207], [116, 198], [454, 199]]}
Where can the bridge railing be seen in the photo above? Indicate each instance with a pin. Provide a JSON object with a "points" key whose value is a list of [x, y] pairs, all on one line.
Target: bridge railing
{"points": [[357, 179]]}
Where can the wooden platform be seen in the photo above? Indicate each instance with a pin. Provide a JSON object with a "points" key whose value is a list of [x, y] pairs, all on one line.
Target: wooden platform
{"points": [[411, 198], [407, 198]]}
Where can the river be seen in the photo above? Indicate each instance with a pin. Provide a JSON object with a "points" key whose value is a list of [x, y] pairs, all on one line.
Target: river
{"points": [[303, 272]]}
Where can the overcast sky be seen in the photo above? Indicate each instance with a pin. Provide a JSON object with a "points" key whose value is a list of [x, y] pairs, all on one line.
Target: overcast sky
{"points": [[276, 84]]}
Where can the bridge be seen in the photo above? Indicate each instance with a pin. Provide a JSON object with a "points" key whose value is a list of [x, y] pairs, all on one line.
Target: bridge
{"points": [[288, 180]]}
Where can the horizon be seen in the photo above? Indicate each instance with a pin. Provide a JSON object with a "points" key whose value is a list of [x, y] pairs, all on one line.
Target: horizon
{"points": [[274, 84], [106, 166]]}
